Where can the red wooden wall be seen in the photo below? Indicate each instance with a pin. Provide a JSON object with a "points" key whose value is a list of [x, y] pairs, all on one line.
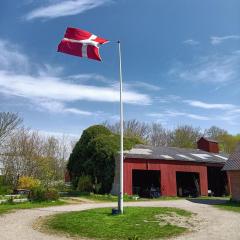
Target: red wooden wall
{"points": [[234, 180], [208, 146], [168, 174]]}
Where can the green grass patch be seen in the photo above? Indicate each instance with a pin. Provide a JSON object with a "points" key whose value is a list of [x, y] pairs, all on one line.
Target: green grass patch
{"points": [[223, 203], [213, 198], [113, 198], [107, 197], [101, 224], [6, 207], [229, 206]]}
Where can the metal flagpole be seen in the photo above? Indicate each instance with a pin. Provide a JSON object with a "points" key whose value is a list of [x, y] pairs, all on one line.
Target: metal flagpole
{"points": [[120, 196]]}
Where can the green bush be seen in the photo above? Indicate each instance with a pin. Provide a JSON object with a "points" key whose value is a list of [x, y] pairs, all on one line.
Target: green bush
{"points": [[41, 194], [51, 195], [85, 184], [5, 190], [4, 187], [134, 238], [60, 186], [10, 200]]}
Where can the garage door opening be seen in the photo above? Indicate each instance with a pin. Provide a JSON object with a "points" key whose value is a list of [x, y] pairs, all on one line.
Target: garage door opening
{"points": [[217, 182], [146, 183], [188, 184]]}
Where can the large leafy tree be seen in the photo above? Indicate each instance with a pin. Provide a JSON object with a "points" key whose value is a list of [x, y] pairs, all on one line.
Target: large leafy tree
{"points": [[215, 133], [227, 142], [94, 155], [185, 136], [80, 153]]}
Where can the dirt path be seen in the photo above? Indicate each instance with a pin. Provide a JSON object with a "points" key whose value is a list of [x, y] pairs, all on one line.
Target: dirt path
{"points": [[214, 224]]}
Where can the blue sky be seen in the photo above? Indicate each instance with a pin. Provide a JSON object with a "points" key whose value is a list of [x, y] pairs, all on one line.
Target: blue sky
{"points": [[180, 63]]}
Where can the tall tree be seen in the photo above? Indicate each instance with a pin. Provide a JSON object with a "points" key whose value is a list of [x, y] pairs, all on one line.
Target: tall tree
{"points": [[94, 156], [8, 123], [132, 128], [80, 152], [228, 142], [30, 154], [159, 136], [215, 132], [185, 136]]}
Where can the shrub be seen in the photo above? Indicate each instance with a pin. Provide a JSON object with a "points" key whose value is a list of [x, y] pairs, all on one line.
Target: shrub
{"points": [[60, 186], [85, 184], [4, 187], [134, 238], [5, 190], [29, 183], [51, 195], [41, 194]]}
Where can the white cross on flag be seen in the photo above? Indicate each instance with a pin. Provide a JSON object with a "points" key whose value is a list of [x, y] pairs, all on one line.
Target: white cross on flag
{"points": [[81, 43]]}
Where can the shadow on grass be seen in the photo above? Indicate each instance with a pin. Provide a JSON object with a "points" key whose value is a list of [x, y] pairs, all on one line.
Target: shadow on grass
{"points": [[208, 201]]}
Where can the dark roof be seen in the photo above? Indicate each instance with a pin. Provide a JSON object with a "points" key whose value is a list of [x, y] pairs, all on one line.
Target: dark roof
{"points": [[233, 163], [208, 139], [173, 153]]}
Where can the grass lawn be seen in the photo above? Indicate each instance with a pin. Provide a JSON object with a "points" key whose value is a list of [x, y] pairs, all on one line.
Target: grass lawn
{"points": [[127, 198], [213, 198], [100, 224], [230, 206], [223, 203], [6, 207]]}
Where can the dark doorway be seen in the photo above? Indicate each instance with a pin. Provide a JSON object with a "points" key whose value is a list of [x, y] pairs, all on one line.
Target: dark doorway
{"points": [[146, 183], [188, 184], [217, 181]]}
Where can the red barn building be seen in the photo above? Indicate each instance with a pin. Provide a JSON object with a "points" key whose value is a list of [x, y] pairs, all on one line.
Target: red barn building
{"points": [[232, 167], [174, 171]]}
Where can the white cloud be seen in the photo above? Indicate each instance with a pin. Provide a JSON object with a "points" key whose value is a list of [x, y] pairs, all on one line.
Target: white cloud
{"points": [[191, 42], [167, 99], [55, 88], [144, 85], [230, 113], [231, 117], [218, 40], [11, 58], [89, 77], [68, 137], [204, 105], [59, 107], [64, 8], [173, 114], [210, 69], [47, 90]]}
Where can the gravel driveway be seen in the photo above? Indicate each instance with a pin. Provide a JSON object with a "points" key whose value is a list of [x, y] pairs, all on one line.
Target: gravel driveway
{"points": [[214, 224]]}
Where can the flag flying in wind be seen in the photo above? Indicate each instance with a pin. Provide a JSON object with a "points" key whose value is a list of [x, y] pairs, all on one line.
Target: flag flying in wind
{"points": [[81, 43]]}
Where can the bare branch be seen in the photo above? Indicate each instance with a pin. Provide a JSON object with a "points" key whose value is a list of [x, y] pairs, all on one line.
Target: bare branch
{"points": [[8, 123]]}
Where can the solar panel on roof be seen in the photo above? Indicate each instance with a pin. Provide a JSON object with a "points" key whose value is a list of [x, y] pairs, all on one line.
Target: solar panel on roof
{"points": [[167, 156], [184, 156], [202, 156], [220, 156]]}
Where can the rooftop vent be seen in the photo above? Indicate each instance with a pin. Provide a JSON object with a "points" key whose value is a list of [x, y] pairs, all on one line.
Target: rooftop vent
{"points": [[208, 145]]}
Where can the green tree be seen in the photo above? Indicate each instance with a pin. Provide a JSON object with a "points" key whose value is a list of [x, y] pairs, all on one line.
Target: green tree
{"points": [[228, 142], [94, 155], [185, 137], [132, 128], [104, 150], [80, 153], [215, 133]]}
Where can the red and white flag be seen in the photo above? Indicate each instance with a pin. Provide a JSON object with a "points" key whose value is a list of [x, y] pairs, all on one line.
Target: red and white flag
{"points": [[81, 43]]}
